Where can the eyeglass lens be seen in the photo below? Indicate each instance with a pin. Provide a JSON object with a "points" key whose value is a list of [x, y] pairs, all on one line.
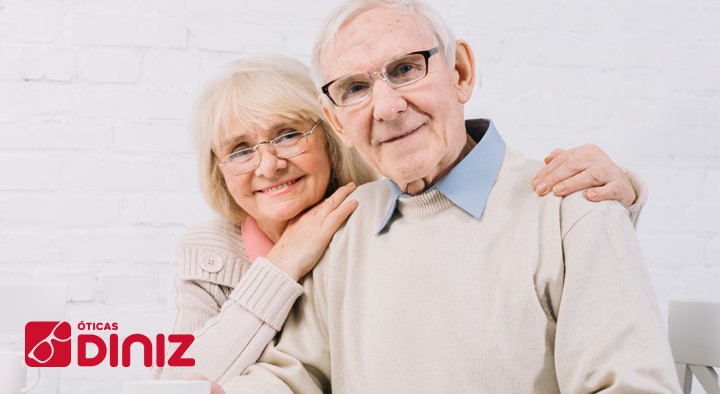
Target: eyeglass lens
{"points": [[285, 146], [48, 341], [399, 72]]}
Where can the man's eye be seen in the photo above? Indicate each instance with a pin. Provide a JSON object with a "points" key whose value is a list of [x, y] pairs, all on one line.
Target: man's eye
{"points": [[355, 88], [404, 69]]}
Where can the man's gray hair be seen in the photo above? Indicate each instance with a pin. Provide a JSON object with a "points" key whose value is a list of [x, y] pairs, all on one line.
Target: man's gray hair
{"points": [[346, 12]]}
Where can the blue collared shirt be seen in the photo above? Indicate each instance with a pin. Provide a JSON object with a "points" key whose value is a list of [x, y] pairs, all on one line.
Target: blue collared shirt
{"points": [[469, 183]]}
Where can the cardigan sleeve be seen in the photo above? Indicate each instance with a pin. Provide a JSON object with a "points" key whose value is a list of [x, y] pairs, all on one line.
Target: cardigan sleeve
{"points": [[300, 361], [231, 326], [610, 336], [641, 193]]}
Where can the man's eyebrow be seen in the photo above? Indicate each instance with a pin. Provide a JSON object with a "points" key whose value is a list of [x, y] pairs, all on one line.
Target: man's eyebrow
{"points": [[237, 138]]}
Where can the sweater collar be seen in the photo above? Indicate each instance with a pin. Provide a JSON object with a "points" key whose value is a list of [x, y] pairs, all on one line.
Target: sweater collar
{"points": [[469, 183]]}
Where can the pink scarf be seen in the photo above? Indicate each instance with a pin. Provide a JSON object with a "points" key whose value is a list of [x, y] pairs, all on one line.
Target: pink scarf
{"points": [[257, 244]]}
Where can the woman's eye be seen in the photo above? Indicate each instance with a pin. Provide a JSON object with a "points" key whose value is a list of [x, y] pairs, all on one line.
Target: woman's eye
{"points": [[288, 137], [241, 153]]}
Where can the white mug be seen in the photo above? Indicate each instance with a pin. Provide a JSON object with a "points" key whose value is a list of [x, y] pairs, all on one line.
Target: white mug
{"points": [[13, 373], [168, 387]]}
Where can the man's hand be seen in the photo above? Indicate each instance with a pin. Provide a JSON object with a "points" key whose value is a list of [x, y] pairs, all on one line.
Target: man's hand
{"points": [[580, 168], [214, 387]]}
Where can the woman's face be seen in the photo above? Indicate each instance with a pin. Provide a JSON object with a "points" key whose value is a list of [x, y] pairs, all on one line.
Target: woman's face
{"points": [[308, 173]]}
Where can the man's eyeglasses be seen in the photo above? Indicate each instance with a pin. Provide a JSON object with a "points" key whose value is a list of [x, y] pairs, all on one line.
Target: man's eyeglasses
{"points": [[400, 71], [284, 147], [47, 340]]}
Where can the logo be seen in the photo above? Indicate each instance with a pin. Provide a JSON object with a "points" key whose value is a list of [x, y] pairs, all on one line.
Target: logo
{"points": [[47, 344]]}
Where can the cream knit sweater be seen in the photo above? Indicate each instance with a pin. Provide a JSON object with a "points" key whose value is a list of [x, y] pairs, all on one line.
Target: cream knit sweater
{"points": [[541, 295], [236, 311], [233, 312]]}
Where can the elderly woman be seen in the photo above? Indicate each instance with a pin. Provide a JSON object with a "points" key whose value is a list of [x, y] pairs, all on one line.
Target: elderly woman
{"points": [[266, 159]]}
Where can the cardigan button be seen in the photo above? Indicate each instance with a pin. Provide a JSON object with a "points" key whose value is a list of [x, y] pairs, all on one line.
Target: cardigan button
{"points": [[211, 262]]}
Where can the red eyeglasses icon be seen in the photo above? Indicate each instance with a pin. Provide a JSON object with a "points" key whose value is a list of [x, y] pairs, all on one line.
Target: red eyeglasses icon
{"points": [[39, 337]]}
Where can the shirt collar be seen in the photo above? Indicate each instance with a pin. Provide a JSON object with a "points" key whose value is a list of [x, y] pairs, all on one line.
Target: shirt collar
{"points": [[469, 183]]}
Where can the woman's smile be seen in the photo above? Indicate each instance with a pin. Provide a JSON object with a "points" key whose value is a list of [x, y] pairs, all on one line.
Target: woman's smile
{"points": [[280, 188]]}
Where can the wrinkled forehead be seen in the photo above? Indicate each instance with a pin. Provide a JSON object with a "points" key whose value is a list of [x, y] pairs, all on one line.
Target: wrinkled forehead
{"points": [[235, 126], [229, 126], [236, 120], [373, 38]]}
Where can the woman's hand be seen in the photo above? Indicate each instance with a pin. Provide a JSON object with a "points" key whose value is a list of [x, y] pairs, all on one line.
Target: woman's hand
{"points": [[307, 235], [214, 387], [579, 168]]}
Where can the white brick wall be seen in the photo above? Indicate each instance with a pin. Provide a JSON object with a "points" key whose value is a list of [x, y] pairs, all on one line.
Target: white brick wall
{"points": [[97, 178]]}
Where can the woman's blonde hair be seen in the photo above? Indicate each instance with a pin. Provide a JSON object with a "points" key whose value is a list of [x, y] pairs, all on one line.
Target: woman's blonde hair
{"points": [[252, 90]]}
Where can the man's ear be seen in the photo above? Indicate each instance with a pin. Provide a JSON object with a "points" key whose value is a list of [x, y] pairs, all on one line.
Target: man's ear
{"points": [[333, 120], [465, 70]]}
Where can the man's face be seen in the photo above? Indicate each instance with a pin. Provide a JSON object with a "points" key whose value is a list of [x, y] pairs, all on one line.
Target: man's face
{"points": [[409, 133]]}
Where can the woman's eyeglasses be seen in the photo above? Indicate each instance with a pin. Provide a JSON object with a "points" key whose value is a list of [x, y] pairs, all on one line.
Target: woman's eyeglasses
{"points": [[284, 147]]}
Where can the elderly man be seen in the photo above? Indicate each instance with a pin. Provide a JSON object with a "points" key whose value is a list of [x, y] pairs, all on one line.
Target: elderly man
{"points": [[455, 276]]}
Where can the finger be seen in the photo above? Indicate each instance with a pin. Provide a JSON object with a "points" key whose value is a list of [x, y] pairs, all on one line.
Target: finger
{"points": [[613, 190], [553, 154], [610, 191], [591, 177], [590, 154], [556, 162], [337, 198], [569, 166], [337, 217]]}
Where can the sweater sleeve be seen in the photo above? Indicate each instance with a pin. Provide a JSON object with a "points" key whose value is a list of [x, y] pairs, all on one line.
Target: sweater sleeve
{"points": [[641, 193], [231, 330], [300, 361], [610, 336]]}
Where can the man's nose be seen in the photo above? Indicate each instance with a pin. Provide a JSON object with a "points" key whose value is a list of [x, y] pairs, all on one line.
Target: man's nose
{"points": [[388, 103], [269, 164]]}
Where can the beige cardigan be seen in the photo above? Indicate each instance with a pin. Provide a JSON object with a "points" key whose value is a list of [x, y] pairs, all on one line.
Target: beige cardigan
{"points": [[235, 312], [540, 295], [232, 307]]}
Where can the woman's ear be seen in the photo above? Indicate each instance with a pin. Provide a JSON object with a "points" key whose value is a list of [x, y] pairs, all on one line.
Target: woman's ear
{"points": [[333, 120], [465, 71]]}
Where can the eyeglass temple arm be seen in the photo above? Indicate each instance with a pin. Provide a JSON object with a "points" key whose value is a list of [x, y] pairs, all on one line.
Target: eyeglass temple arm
{"points": [[313, 128]]}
